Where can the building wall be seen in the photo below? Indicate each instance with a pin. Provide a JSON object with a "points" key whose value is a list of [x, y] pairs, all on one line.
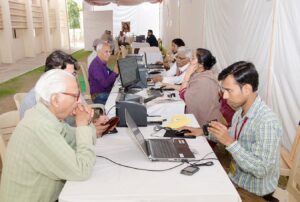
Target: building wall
{"points": [[36, 26]]}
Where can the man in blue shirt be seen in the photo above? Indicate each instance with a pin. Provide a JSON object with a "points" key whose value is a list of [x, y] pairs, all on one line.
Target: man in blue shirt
{"points": [[101, 78], [253, 140]]}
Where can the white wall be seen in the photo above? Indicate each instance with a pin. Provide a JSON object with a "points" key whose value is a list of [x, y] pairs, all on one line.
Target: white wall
{"points": [[18, 48], [95, 23], [265, 32]]}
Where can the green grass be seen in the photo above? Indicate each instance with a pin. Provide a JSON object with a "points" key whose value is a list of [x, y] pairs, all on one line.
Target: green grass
{"points": [[14, 85]]}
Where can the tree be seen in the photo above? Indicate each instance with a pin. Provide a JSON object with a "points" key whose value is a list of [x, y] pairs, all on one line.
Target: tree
{"points": [[73, 14]]}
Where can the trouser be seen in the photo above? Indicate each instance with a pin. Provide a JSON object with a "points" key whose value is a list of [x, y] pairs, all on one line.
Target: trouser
{"points": [[270, 197], [100, 98], [247, 196]]}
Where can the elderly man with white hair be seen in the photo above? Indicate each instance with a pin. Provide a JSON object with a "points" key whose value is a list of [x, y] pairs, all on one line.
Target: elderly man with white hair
{"points": [[101, 78], [44, 151], [176, 73]]}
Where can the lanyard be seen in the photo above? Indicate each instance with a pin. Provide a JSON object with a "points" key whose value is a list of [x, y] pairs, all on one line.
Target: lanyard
{"points": [[236, 137]]}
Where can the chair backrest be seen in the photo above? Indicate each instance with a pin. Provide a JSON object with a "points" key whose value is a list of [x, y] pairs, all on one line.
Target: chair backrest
{"points": [[296, 144], [8, 122], [18, 97], [293, 186], [288, 157], [99, 109], [124, 51], [84, 71]]}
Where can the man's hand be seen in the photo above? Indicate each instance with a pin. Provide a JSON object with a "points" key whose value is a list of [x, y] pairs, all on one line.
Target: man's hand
{"points": [[157, 78], [83, 115], [194, 131], [170, 86], [116, 70], [220, 132], [100, 125]]}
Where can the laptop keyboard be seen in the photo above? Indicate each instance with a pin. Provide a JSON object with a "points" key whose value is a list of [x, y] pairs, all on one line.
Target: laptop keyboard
{"points": [[163, 149]]}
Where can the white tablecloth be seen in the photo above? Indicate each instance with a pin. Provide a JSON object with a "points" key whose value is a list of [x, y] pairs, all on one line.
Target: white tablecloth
{"points": [[110, 182], [139, 45]]}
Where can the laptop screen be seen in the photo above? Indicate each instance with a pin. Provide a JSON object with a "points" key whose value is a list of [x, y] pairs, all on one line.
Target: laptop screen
{"points": [[136, 132]]}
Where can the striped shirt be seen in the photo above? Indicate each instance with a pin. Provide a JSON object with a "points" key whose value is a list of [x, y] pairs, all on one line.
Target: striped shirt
{"points": [[42, 154], [257, 150]]}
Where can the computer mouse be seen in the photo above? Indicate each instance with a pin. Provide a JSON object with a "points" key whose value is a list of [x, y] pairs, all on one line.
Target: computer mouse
{"points": [[185, 131], [182, 132]]}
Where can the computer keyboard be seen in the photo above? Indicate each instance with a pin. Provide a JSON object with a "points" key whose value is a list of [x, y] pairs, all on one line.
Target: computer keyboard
{"points": [[154, 72], [163, 148]]}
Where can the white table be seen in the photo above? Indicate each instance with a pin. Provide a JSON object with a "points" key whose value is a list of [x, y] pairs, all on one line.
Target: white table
{"points": [[139, 45], [110, 182], [160, 106]]}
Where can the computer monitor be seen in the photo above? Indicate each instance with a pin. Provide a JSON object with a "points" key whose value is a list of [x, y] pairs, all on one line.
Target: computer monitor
{"points": [[140, 38], [129, 73]]}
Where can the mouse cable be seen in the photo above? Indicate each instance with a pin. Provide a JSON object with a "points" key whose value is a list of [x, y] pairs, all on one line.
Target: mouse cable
{"points": [[142, 169]]}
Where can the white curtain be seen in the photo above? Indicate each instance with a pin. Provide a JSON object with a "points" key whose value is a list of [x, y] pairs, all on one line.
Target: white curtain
{"points": [[284, 92], [264, 32], [142, 17]]}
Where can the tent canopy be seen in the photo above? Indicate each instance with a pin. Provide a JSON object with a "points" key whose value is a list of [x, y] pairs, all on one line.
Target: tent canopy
{"points": [[120, 2]]}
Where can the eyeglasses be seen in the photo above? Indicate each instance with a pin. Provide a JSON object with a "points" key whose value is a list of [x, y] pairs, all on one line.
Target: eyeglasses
{"points": [[73, 95]]}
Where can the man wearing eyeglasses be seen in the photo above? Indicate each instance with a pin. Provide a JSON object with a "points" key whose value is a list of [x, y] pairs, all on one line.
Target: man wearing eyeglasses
{"points": [[44, 151], [101, 78], [61, 60], [176, 75]]}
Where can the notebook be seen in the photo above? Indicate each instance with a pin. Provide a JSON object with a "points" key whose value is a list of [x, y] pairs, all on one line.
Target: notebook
{"points": [[159, 149]]}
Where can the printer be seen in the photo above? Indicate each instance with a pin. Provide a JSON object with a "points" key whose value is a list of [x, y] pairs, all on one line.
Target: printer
{"points": [[134, 105]]}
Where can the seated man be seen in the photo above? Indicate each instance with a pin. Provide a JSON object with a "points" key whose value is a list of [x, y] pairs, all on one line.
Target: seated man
{"points": [[107, 36], [61, 60], [183, 59], [254, 138], [101, 78], [151, 39], [44, 151]]}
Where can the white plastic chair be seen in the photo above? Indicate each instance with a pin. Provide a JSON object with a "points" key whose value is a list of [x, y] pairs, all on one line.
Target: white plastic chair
{"points": [[292, 192], [84, 71], [8, 122], [288, 157], [18, 97]]}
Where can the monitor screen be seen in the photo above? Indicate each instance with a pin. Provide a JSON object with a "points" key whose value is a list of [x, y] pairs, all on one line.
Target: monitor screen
{"points": [[128, 70], [140, 38]]}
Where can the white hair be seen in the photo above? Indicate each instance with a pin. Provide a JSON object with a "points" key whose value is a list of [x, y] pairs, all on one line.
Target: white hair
{"points": [[100, 45], [51, 82], [185, 51]]}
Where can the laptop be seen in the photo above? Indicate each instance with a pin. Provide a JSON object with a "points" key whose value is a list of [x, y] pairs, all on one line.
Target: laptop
{"points": [[159, 149], [152, 66]]}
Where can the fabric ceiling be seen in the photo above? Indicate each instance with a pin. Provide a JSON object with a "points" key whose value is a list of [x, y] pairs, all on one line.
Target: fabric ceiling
{"points": [[120, 2]]}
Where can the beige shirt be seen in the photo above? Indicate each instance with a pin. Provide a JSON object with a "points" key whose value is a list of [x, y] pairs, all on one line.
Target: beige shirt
{"points": [[201, 97]]}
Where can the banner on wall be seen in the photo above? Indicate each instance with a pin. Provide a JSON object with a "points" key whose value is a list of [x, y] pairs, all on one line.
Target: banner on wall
{"points": [[126, 27]]}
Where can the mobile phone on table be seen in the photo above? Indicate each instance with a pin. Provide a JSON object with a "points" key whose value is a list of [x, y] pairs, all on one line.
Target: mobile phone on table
{"points": [[190, 170]]}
